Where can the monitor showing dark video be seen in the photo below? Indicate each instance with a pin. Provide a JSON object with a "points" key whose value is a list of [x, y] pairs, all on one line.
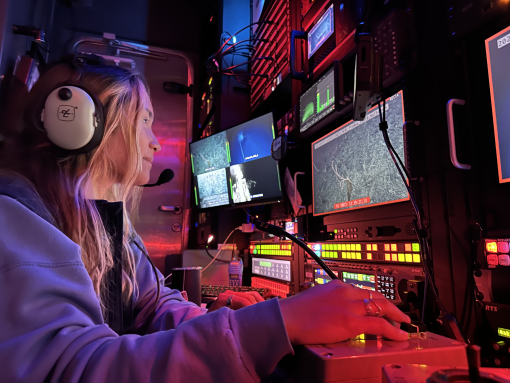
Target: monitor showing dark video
{"points": [[352, 167], [498, 57], [235, 167]]}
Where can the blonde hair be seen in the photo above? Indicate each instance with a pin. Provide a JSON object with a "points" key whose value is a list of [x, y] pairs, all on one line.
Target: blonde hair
{"points": [[61, 181]]}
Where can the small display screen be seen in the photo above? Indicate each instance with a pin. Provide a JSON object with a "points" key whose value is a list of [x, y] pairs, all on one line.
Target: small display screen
{"points": [[321, 31], [498, 57], [272, 268], [235, 166], [321, 277], [318, 101], [351, 166], [363, 281]]}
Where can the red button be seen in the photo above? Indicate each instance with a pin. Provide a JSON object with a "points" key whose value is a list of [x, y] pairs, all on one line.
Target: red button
{"points": [[504, 260], [492, 259], [503, 247]]}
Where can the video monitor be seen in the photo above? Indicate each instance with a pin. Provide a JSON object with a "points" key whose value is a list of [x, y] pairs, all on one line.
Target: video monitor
{"points": [[360, 280], [351, 166], [498, 57], [320, 105], [235, 167], [324, 28], [272, 268]]}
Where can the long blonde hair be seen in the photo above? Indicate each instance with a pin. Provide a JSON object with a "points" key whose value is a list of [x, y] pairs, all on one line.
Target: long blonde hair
{"points": [[61, 181]]}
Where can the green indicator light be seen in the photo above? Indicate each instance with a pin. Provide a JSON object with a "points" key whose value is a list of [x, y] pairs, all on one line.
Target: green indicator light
{"points": [[416, 247], [266, 264], [231, 191], [278, 172], [210, 81], [272, 126], [318, 101], [196, 198], [328, 97], [192, 167], [228, 152], [336, 231], [503, 332]]}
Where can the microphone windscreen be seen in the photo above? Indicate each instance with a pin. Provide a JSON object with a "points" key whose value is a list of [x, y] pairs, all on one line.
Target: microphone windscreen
{"points": [[166, 175]]}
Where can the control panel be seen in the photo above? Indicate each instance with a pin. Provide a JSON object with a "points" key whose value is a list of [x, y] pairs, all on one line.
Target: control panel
{"points": [[496, 252], [396, 283], [274, 266]]}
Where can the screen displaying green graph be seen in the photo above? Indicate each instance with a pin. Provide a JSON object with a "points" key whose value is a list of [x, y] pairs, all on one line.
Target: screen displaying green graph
{"points": [[318, 101]]}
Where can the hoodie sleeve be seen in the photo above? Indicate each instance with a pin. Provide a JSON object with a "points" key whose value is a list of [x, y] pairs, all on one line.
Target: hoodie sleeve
{"points": [[171, 309], [51, 327]]}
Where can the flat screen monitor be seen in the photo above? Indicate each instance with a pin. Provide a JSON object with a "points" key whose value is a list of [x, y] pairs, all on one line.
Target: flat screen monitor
{"points": [[498, 57], [321, 31], [351, 166], [235, 167], [321, 103], [272, 268]]}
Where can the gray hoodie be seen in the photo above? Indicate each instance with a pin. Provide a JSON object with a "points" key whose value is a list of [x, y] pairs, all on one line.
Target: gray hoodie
{"points": [[52, 328]]}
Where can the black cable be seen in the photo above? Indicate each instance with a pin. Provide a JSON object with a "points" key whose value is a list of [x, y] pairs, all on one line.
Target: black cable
{"points": [[250, 61], [239, 31], [217, 259]]}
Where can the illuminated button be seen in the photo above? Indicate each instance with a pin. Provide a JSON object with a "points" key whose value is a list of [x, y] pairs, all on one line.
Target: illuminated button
{"points": [[393, 247], [492, 259], [504, 260], [342, 236], [503, 247], [355, 236], [374, 247], [343, 254], [355, 229], [392, 279], [392, 285], [336, 231], [492, 247], [394, 258], [348, 247], [392, 297], [416, 247], [408, 247], [358, 247], [369, 256], [416, 258], [378, 277], [409, 258], [401, 257], [387, 257], [386, 247], [369, 247], [358, 255]]}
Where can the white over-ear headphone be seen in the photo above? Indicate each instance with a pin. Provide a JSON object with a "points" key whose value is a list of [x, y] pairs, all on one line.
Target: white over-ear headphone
{"points": [[73, 118]]}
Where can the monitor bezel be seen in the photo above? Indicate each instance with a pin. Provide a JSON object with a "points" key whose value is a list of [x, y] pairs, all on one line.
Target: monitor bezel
{"points": [[340, 211], [232, 204]]}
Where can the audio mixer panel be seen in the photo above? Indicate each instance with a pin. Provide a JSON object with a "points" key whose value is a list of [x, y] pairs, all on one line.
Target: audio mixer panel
{"points": [[274, 267], [393, 281], [386, 252]]}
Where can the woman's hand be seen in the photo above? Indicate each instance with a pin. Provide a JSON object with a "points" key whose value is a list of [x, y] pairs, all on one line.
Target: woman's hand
{"points": [[237, 300], [335, 312]]}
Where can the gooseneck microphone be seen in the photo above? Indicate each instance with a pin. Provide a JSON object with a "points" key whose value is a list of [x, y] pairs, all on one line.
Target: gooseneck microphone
{"points": [[166, 176], [278, 231]]}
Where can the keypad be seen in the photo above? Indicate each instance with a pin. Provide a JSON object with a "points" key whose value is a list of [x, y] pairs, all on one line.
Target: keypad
{"points": [[386, 286]]}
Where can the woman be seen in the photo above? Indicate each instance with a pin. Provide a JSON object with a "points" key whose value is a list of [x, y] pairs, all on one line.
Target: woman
{"points": [[57, 255]]}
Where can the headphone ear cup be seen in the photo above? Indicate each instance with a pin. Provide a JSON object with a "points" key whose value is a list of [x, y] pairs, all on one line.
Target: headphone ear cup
{"points": [[73, 119]]}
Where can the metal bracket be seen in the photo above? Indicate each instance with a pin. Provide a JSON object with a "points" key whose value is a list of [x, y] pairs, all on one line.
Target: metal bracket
{"points": [[175, 209], [451, 133]]}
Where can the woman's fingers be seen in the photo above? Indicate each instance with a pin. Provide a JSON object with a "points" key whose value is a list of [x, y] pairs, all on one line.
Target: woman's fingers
{"points": [[249, 297], [387, 309], [238, 302], [255, 295], [379, 326]]}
